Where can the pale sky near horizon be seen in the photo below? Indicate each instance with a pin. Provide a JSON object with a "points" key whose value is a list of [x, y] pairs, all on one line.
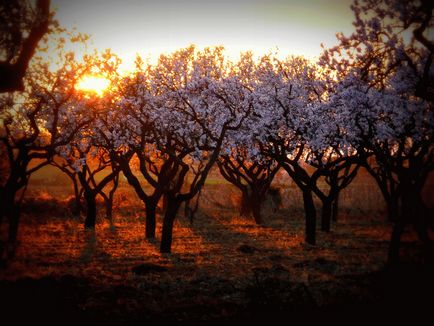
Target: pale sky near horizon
{"points": [[152, 27]]}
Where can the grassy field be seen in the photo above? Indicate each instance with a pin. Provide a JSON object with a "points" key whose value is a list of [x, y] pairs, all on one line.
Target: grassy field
{"points": [[223, 268]]}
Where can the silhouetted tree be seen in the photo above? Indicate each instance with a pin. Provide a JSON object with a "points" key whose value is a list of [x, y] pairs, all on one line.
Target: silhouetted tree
{"points": [[253, 178], [389, 58], [94, 171], [22, 26], [34, 123]]}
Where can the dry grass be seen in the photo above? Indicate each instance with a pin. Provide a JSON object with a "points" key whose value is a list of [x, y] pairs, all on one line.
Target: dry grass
{"points": [[221, 265], [52, 242], [208, 247], [206, 262]]}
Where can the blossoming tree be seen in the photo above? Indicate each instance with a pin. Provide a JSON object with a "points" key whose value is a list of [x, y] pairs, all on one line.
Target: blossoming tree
{"points": [[45, 116], [179, 113], [385, 68]]}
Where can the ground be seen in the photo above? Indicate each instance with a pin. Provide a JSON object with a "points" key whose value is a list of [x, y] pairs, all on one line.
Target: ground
{"points": [[223, 268]]}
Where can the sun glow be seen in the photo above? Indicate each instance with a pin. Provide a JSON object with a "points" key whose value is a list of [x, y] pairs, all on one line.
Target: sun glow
{"points": [[293, 27], [93, 84]]}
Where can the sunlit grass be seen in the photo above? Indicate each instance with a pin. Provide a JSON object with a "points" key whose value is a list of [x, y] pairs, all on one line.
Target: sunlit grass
{"points": [[51, 241]]}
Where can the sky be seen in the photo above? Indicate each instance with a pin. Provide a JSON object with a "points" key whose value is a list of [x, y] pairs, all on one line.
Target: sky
{"points": [[152, 27]]}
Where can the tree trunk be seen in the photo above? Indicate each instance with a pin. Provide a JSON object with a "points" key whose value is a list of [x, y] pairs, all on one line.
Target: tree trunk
{"points": [[151, 207], [392, 208], [417, 211], [246, 208], [90, 220], [335, 208], [402, 215], [188, 212], [14, 219], [2, 204], [3, 207], [395, 242], [251, 202], [326, 215], [423, 235], [77, 209], [109, 210], [164, 204], [12, 213], [169, 218], [3, 215], [310, 216], [256, 203]]}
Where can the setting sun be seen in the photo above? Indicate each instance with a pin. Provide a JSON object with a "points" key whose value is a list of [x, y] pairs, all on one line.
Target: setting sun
{"points": [[95, 84]]}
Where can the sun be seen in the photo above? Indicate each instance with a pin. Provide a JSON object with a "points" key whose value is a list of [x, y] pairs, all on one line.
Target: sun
{"points": [[93, 83]]}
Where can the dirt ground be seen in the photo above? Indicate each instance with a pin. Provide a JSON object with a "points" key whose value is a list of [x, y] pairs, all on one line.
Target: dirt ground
{"points": [[223, 268]]}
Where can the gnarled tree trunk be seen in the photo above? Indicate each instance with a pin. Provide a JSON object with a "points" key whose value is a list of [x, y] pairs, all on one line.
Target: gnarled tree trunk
{"points": [[256, 203], [335, 208], [310, 217], [395, 242], [251, 203], [245, 207], [392, 203], [411, 211], [173, 205], [326, 214], [90, 221], [11, 211], [77, 209], [151, 207]]}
